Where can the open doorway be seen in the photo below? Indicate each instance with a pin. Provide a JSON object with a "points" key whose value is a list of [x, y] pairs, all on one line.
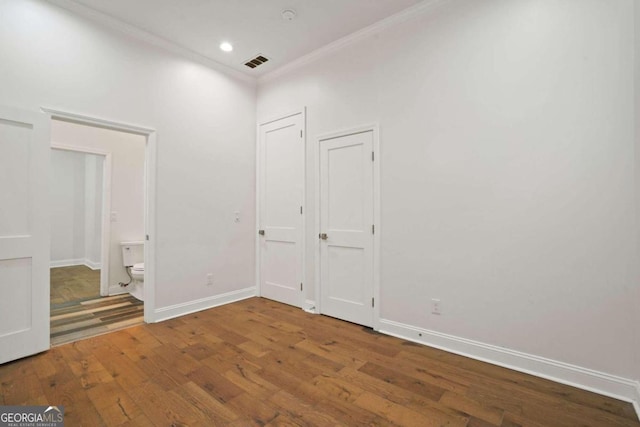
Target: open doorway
{"points": [[77, 201], [98, 190]]}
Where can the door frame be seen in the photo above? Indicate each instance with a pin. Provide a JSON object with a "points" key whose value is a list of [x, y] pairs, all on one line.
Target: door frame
{"points": [[375, 129], [150, 166], [303, 244], [105, 233]]}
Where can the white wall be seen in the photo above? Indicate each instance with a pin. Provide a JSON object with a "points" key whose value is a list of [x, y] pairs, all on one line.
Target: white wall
{"points": [[67, 185], [127, 186], [76, 198], [205, 123], [507, 150]]}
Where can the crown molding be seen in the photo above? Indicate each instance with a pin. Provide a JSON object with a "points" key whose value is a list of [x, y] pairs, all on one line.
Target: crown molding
{"points": [[412, 12], [147, 37]]}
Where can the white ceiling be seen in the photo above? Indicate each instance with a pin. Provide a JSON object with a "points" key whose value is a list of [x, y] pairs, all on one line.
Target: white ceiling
{"points": [[252, 26]]}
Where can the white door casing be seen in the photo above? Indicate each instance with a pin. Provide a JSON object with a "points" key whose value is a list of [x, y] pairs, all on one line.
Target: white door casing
{"points": [[24, 233], [280, 209], [346, 225], [150, 313], [105, 229]]}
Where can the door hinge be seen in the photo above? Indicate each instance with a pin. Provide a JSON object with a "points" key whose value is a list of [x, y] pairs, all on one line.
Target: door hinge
{"points": [[300, 133], [300, 286], [147, 237], [373, 157], [373, 229], [373, 302], [300, 210]]}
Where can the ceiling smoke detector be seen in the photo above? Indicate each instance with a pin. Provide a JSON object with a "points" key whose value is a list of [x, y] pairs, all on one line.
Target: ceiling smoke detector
{"points": [[288, 14]]}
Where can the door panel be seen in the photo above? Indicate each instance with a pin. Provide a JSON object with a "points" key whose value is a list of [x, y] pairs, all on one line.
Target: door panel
{"points": [[281, 157], [15, 286], [14, 193], [345, 275], [24, 241], [346, 217]]}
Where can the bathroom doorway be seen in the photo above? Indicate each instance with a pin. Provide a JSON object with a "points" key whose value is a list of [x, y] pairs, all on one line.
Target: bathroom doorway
{"points": [[98, 190], [77, 200]]}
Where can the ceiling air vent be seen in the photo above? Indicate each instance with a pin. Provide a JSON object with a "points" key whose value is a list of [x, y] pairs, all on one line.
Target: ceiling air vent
{"points": [[256, 62]]}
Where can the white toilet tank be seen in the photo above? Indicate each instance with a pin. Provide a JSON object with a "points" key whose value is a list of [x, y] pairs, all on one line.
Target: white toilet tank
{"points": [[132, 253]]}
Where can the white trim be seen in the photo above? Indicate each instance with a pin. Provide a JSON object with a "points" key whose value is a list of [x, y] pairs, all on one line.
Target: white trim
{"points": [[96, 121], [310, 306], [149, 193], [636, 399], [375, 129], [150, 228], [75, 262], [303, 113], [105, 237], [92, 265], [564, 373], [147, 37], [117, 290], [377, 220], [182, 309], [305, 211], [391, 21], [67, 263]]}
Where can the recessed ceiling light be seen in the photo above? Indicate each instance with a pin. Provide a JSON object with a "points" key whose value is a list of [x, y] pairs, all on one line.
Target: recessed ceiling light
{"points": [[226, 47]]}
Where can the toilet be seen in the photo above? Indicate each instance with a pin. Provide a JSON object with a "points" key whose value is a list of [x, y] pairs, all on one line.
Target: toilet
{"points": [[133, 262]]}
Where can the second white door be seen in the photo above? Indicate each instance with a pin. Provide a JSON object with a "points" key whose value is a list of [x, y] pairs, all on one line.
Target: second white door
{"points": [[346, 227], [281, 169]]}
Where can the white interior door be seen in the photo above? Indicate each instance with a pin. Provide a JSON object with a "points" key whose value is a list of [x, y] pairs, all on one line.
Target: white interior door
{"points": [[346, 227], [281, 183], [24, 234]]}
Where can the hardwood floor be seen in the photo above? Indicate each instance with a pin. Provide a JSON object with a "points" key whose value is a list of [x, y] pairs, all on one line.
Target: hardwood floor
{"points": [[94, 316], [74, 283], [78, 311], [261, 363]]}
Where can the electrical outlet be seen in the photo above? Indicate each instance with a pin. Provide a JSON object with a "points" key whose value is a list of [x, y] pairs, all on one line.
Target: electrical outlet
{"points": [[436, 306], [236, 216], [209, 279]]}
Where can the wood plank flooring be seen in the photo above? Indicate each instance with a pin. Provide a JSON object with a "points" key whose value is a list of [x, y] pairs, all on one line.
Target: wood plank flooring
{"points": [[94, 316], [74, 283], [78, 311], [261, 363]]}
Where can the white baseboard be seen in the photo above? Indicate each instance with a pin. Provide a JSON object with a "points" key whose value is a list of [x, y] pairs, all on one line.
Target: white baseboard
{"points": [[92, 264], [66, 263], [177, 310], [73, 262], [576, 376], [117, 290], [310, 306]]}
